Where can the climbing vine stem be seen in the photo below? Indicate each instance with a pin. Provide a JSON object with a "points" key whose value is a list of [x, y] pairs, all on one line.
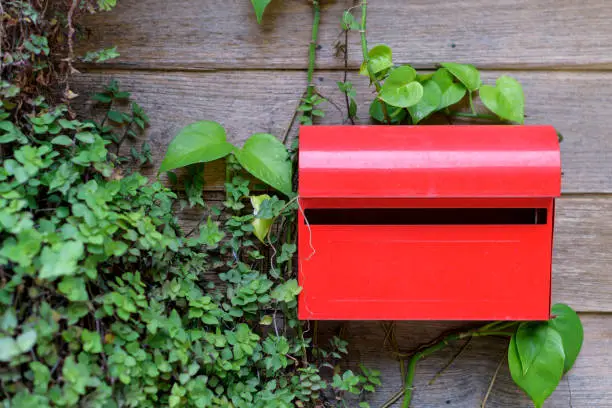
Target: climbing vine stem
{"points": [[312, 51], [492, 329], [366, 57]]}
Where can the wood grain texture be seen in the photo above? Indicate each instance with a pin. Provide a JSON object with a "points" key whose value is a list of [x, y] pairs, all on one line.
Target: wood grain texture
{"points": [[195, 34], [246, 102], [464, 383]]}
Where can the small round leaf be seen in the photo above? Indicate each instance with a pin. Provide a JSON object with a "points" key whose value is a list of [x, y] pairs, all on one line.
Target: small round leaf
{"points": [[198, 142], [568, 324], [400, 88], [8, 349], [428, 104], [467, 74], [397, 115], [380, 58], [506, 99], [452, 92]]}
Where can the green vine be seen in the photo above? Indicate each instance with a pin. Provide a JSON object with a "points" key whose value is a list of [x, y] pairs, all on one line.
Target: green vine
{"points": [[106, 302], [367, 61]]}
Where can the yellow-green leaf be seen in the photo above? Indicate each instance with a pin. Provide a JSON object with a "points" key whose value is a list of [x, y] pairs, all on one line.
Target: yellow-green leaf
{"points": [[199, 142], [261, 226]]}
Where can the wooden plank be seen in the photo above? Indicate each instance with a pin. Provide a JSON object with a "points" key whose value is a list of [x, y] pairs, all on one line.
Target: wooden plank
{"points": [[581, 253], [194, 34], [465, 382], [260, 101]]}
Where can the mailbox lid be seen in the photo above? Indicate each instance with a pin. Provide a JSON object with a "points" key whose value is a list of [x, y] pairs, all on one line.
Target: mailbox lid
{"points": [[429, 161]]}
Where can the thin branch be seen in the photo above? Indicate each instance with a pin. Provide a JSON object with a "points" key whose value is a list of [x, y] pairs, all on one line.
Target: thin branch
{"points": [[450, 362], [366, 57], [312, 54], [346, 96], [295, 113], [486, 397], [393, 399], [408, 386], [476, 116], [312, 51], [71, 31]]}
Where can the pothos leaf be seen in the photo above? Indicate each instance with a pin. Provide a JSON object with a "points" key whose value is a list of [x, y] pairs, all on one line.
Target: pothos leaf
{"points": [[529, 342], [261, 226], [260, 7], [397, 115], [198, 142], [400, 88], [380, 58], [452, 92], [568, 324], [428, 104], [545, 370], [266, 158], [505, 99], [467, 74], [349, 22]]}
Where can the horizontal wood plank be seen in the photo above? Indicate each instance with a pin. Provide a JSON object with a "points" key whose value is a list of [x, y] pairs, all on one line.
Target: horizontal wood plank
{"points": [[465, 382], [259, 101], [194, 34]]}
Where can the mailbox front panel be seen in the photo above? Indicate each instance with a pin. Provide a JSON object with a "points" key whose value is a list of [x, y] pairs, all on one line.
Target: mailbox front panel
{"points": [[403, 267]]}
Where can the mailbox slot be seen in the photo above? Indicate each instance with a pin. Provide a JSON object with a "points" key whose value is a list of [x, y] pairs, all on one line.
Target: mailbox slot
{"points": [[426, 223], [427, 216]]}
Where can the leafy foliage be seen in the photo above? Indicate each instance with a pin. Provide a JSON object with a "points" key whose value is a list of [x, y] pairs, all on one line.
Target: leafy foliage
{"points": [[262, 155], [106, 301], [410, 97]]}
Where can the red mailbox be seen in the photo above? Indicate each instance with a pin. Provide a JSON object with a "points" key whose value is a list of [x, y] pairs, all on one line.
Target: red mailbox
{"points": [[426, 222]]}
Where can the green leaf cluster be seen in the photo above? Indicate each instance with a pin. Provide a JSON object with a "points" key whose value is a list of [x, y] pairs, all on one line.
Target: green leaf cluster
{"points": [[411, 97], [108, 303], [262, 155]]}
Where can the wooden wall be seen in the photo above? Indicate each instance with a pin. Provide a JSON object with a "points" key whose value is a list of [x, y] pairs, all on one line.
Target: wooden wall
{"points": [[188, 60]]}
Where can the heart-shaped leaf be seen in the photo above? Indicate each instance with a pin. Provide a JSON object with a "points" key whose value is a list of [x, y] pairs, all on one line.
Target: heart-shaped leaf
{"points": [[260, 7], [397, 115], [261, 226], [428, 104], [568, 324], [266, 158], [506, 99], [349, 22], [467, 74], [546, 369], [8, 349], [452, 92], [528, 344], [198, 142], [400, 88], [380, 58]]}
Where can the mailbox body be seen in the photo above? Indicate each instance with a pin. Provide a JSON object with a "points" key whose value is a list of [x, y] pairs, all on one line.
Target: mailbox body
{"points": [[426, 223]]}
